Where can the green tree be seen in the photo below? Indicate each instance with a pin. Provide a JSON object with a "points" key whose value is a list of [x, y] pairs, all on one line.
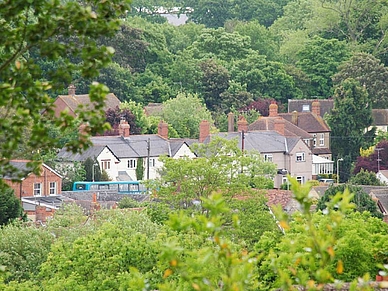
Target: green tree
{"points": [[23, 250], [10, 206], [319, 59], [184, 113], [140, 169], [351, 115], [365, 177], [361, 199], [220, 166], [370, 73], [71, 174], [91, 165], [68, 38]]}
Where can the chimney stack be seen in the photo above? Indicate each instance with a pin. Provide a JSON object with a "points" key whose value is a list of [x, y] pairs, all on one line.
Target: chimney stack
{"points": [[124, 128], [163, 129], [230, 122], [316, 108], [279, 125], [71, 90], [273, 109], [204, 130], [294, 117], [242, 124]]}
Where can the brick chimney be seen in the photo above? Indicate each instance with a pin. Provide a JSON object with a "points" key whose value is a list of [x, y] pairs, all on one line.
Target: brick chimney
{"points": [[124, 128], [230, 122], [316, 108], [242, 124], [279, 125], [204, 130], [163, 129], [294, 117], [71, 90], [273, 109], [40, 214]]}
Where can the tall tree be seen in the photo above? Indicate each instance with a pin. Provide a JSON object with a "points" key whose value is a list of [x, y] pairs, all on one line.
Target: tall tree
{"points": [[64, 31], [370, 72], [10, 206], [351, 115], [184, 113], [319, 59]]}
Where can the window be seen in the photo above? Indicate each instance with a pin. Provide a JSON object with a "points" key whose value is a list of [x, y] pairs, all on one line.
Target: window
{"points": [[53, 188], [305, 107], [322, 139], [300, 157], [268, 157], [300, 179], [105, 164], [131, 164], [37, 189], [314, 139], [151, 162]]}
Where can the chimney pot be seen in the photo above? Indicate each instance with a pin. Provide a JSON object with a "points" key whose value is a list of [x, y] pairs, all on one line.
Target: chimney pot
{"points": [[204, 130], [230, 122], [273, 109], [124, 128], [71, 90]]}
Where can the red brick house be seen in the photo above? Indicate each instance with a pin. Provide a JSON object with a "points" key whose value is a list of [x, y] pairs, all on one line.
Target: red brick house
{"points": [[71, 101], [48, 183]]}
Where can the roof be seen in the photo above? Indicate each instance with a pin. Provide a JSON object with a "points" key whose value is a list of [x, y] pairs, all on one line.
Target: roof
{"points": [[380, 117], [268, 123], [73, 101], [153, 109], [321, 151], [261, 141], [21, 166], [320, 160], [92, 152], [326, 105], [308, 121], [53, 202]]}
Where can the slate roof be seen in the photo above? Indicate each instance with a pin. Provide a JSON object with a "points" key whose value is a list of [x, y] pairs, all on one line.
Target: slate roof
{"points": [[321, 151], [91, 152], [380, 117], [262, 141], [308, 121], [53, 202], [72, 101], [268, 123], [22, 167], [326, 105]]}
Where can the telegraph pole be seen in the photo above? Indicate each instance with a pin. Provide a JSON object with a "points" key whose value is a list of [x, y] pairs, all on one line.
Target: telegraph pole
{"points": [[148, 158], [378, 158]]}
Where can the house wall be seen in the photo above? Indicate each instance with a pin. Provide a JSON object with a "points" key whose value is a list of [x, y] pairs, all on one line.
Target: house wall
{"points": [[25, 188], [114, 164], [184, 151], [301, 168]]}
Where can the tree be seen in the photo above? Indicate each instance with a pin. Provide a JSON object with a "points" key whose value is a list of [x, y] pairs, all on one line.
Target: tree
{"points": [[370, 73], [184, 113], [63, 32], [114, 117], [23, 250], [319, 59], [365, 177], [220, 166], [72, 174], [10, 206], [361, 199], [351, 115], [91, 165]]}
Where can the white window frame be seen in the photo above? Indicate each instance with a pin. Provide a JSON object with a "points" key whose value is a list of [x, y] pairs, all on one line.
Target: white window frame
{"points": [[53, 188], [37, 189], [300, 179], [268, 157], [305, 107], [105, 164], [131, 164], [151, 162], [322, 139], [314, 139], [300, 157]]}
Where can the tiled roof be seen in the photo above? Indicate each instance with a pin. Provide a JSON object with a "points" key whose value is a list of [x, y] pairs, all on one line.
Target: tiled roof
{"points": [[73, 101], [380, 116], [261, 141], [321, 151], [308, 121], [326, 105], [91, 152], [268, 123], [153, 109]]}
